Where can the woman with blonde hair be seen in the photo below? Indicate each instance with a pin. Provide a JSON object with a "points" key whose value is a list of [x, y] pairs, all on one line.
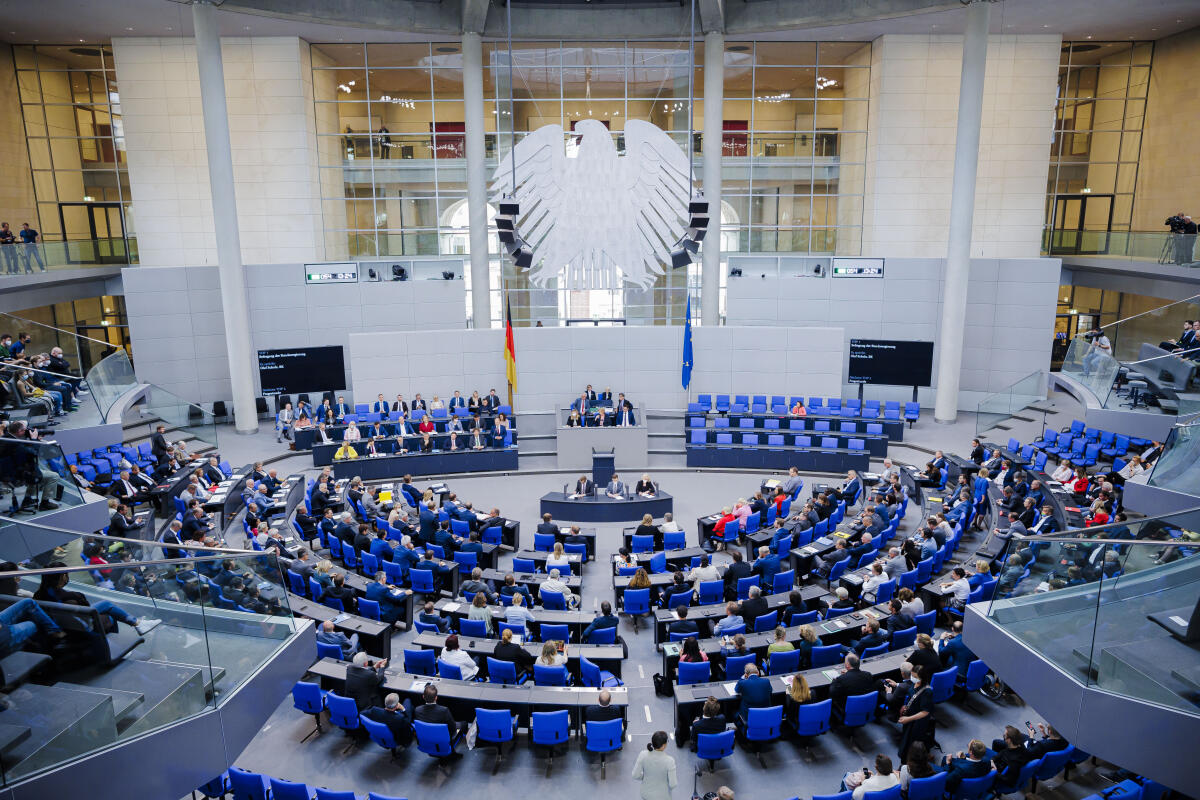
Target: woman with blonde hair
{"points": [[550, 656], [479, 610], [808, 640], [558, 560], [798, 694]]}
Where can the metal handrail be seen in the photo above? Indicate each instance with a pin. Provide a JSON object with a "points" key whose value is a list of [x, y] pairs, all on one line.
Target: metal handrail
{"points": [[1050, 537], [124, 540], [25, 573], [60, 330], [1154, 542], [1149, 311]]}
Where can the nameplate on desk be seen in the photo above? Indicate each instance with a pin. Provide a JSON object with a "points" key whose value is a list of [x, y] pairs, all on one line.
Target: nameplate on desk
{"points": [[525, 577], [830, 673], [450, 608], [870, 476], [731, 688]]}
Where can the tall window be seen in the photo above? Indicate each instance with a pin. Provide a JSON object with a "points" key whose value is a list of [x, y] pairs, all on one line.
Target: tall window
{"points": [[72, 114], [1097, 139], [392, 150]]}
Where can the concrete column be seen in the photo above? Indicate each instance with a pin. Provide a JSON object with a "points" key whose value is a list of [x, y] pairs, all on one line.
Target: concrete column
{"points": [[714, 119], [225, 217], [472, 49], [962, 211]]}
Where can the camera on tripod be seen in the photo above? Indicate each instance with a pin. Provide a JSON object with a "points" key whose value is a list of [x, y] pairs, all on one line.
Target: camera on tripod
{"points": [[1176, 223]]}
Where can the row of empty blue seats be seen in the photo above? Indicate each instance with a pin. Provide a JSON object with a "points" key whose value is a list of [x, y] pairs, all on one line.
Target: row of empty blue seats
{"points": [[699, 438], [758, 404], [768, 424]]}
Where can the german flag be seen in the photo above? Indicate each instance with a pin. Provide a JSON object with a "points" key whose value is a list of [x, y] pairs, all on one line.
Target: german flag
{"points": [[510, 351]]}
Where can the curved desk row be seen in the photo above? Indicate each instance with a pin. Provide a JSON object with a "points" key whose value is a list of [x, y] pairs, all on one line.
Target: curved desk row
{"points": [[606, 656], [805, 459], [811, 594], [601, 508], [875, 444], [464, 697], [398, 465], [305, 437]]}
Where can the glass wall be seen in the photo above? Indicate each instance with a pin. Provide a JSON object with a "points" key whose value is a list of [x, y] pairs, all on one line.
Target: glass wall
{"points": [[391, 140], [1097, 139], [72, 114], [1144, 319], [87, 330]]}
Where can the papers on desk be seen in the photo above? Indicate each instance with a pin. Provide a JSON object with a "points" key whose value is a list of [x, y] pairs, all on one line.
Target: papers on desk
{"points": [[830, 673], [450, 608], [340, 618], [1180, 621], [787, 681], [772, 483], [731, 688], [385, 496], [419, 686]]}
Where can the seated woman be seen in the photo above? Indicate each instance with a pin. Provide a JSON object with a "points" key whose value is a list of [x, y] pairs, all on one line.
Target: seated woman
{"points": [[624, 559], [1064, 471], [641, 580], [426, 425], [474, 403], [345, 451], [648, 528], [808, 640], [436, 403], [797, 695], [558, 559], [798, 409], [479, 610], [1133, 468], [352, 434], [691, 651], [53, 589], [574, 420], [551, 656], [1079, 484], [645, 487], [454, 425]]}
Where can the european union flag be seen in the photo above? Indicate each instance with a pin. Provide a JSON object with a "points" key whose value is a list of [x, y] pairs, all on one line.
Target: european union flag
{"points": [[687, 346]]}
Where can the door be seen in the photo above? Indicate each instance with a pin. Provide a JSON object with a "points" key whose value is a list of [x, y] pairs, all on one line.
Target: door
{"points": [[95, 232], [1081, 224]]}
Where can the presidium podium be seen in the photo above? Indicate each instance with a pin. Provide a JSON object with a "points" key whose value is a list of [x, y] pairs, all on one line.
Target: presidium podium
{"points": [[598, 506]]}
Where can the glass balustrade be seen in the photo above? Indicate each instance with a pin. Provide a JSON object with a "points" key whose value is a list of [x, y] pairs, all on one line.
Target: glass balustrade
{"points": [[35, 478], [1088, 600], [110, 379], [1160, 246], [26, 259], [1178, 468], [1001, 405], [208, 623]]}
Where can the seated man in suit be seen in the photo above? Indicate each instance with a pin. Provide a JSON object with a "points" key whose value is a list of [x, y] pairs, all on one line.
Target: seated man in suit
{"points": [[823, 565], [753, 607], [342, 592], [546, 526], [583, 487], [624, 417], [605, 619], [864, 547], [973, 763], [364, 677], [711, 720], [435, 714], [329, 634], [603, 711], [850, 487], [755, 692], [953, 651], [897, 693], [767, 566], [853, 681], [396, 716], [683, 624], [615, 488], [872, 637], [440, 569], [429, 616], [389, 598], [123, 524], [735, 572]]}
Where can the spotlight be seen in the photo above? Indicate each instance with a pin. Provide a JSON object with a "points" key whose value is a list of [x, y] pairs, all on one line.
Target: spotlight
{"points": [[736, 272], [681, 255], [399, 273], [447, 275]]}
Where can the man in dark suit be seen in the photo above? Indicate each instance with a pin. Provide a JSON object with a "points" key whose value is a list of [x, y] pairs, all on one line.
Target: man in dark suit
{"points": [[972, 763], [444, 539], [400, 405], [624, 417], [158, 442], [850, 487], [364, 677], [341, 409], [396, 716], [362, 541], [493, 401], [346, 530], [123, 488], [683, 624], [605, 619], [195, 524], [590, 394], [546, 526], [898, 620], [603, 711], [380, 406], [341, 591], [872, 637], [321, 499], [897, 693], [767, 566], [853, 681], [212, 470], [584, 486], [123, 524], [737, 570], [755, 692], [753, 607], [977, 453], [428, 522], [711, 720], [389, 598], [435, 714]]}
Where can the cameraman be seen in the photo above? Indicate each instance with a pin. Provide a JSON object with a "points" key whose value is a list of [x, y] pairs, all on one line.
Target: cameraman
{"points": [[1183, 234], [1101, 347]]}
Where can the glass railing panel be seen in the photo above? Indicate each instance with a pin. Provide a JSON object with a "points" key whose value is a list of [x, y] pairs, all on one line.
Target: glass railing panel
{"points": [[26, 259], [1001, 405], [111, 378], [35, 477], [1178, 468], [182, 418], [1084, 601], [1092, 366], [148, 642]]}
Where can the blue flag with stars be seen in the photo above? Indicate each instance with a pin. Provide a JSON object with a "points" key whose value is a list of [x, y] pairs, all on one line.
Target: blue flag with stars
{"points": [[687, 346]]}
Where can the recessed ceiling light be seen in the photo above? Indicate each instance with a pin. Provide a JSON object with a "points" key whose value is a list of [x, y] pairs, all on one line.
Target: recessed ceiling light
{"points": [[170, 28], [246, 28], [1045, 26], [81, 40]]}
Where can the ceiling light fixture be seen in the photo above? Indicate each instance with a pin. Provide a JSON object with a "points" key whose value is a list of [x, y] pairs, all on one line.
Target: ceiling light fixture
{"points": [[403, 102], [824, 82]]}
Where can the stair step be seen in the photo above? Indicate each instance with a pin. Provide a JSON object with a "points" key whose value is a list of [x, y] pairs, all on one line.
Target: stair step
{"points": [[62, 722], [125, 703], [169, 691]]}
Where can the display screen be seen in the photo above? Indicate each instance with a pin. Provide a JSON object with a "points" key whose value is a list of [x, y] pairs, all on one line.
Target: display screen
{"points": [[889, 361], [341, 272], [303, 369]]}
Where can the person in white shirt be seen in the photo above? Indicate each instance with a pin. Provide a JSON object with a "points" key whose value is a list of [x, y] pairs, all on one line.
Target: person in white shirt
{"points": [[517, 613], [884, 777], [1100, 348], [878, 577], [889, 469], [704, 572], [452, 655], [1064, 471], [323, 435], [557, 560], [554, 584], [669, 525], [436, 403], [352, 434], [959, 588], [1134, 467]]}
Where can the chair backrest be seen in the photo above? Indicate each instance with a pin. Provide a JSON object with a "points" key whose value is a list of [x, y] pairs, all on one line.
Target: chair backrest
{"points": [[247, 785], [744, 584], [766, 622], [877, 650], [501, 671], [860, 709], [637, 601], [643, 543], [941, 685], [546, 675], [553, 601], [891, 793], [902, 639], [931, 788], [764, 723], [735, 666], [694, 672], [604, 737], [420, 662], [433, 739], [711, 592], [550, 727], [925, 622], [494, 724], [342, 711], [524, 565], [826, 655], [451, 671], [812, 719], [328, 651], [543, 542], [715, 746], [783, 662]]}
